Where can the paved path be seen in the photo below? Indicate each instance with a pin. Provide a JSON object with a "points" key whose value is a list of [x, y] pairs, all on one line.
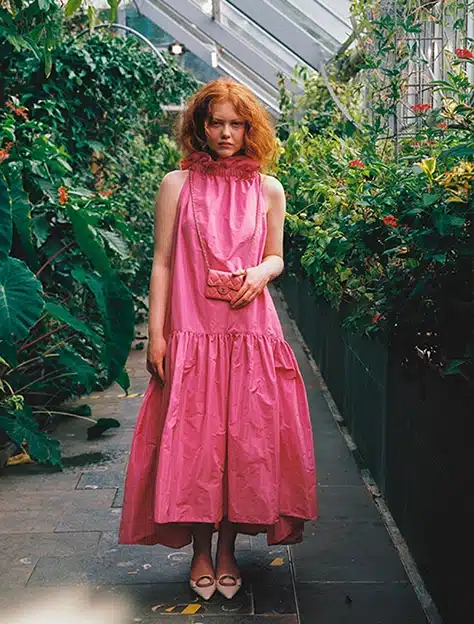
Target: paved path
{"points": [[60, 529]]}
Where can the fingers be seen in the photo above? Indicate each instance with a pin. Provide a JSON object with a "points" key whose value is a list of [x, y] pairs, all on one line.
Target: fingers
{"points": [[161, 371], [246, 297], [156, 369]]}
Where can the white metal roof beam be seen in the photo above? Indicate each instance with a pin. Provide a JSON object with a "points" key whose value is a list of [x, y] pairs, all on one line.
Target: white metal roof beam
{"points": [[284, 30], [224, 38]]}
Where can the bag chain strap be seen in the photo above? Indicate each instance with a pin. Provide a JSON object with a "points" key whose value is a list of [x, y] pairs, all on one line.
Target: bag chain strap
{"points": [[191, 173]]}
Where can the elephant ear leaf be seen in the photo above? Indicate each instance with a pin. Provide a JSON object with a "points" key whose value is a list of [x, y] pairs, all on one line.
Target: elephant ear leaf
{"points": [[101, 425], [21, 303], [21, 427]]}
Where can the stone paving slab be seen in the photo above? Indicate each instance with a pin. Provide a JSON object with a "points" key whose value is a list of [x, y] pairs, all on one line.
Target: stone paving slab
{"points": [[30, 520], [225, 619], [15, 575], [87, 499], [109, 543], [359, 603], [153, 600], [145, 567], [17, 479], [346, 502], [90, 520], [347, 551], [103, 480], [20, 547]]}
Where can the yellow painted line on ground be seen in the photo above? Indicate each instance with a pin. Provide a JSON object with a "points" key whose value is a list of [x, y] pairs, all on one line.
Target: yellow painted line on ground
{"points": [[132, 395], [169, 609], [278, 561], [190, 609]]}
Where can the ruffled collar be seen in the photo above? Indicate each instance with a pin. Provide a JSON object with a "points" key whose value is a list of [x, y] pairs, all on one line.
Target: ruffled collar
{"points": [[239, 165]]}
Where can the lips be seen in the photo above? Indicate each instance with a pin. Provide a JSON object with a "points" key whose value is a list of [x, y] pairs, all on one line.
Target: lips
{"points": [[225, 144]]}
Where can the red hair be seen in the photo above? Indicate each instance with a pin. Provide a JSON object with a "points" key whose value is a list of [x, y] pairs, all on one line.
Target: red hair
{"points": [[260, 141]]}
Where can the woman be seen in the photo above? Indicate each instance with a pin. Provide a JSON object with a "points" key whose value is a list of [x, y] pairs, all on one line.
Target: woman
{"points": [[223, 439]]}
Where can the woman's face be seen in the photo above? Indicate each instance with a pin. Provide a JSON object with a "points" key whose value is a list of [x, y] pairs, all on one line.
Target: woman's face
{"points": [[225, 130]]}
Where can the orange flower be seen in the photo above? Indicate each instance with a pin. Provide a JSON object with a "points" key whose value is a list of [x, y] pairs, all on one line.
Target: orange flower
{"points": [[63, 195], [20, 111], [3, 155], [421, 108], [357, 163], [390, 221], [464, 53], [106, 193]]}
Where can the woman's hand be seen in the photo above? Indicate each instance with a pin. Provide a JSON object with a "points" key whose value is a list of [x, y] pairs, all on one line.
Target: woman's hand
{"points": [[155, 358], [256, 278]]}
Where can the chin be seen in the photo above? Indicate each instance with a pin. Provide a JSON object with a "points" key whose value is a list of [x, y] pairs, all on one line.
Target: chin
{"points": [[226, 151]]}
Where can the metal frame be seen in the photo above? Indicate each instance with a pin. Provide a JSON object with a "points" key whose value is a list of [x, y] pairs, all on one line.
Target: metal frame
{"points": [[284, 30], [217, 33]]}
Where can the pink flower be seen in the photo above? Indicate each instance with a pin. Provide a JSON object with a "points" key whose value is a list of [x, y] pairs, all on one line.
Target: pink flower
{"points": [[421, 108], [357, 163], [464, 53]]}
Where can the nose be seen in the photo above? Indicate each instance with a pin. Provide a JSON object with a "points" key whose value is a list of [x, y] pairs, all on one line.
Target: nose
{"points": [[225, 130]]}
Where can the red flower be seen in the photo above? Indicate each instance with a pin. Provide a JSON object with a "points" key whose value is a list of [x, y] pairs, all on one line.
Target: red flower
{"points": [[376, 317], [390, 221], [3, 155], [106, 193], [420, 108], [464, 53], [21, 111], [357, 163], [63, 195], [442, 125]]}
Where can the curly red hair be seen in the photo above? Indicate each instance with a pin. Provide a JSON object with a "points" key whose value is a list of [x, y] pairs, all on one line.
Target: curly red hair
{"points": [[260, 140]]}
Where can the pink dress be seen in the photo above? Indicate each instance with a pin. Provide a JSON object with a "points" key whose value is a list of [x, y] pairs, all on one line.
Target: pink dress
{"points": [[229, 433]]}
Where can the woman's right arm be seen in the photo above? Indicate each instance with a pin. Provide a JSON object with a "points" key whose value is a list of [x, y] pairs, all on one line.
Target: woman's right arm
{"points": [[166, 205]]}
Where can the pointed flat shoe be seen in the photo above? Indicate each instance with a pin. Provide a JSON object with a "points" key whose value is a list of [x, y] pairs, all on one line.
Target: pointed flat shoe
{"points": [[228, 589], [205, 590]]}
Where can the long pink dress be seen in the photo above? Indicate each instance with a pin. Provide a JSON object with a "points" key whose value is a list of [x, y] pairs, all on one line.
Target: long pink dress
{"points": [[229, 433]]}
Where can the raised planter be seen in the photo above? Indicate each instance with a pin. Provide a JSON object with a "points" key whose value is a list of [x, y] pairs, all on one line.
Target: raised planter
{"points": [[414, 434]]}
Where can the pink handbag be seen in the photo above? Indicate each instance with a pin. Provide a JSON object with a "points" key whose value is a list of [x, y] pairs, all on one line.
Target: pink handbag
{"points": [[221, 284]]}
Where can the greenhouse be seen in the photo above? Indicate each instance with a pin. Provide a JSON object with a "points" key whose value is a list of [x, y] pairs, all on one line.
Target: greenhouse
{"points": [[236, 302]]}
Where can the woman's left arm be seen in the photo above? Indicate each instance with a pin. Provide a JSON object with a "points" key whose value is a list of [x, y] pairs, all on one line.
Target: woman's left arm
{"points": [[272, 264], [273, 251]]}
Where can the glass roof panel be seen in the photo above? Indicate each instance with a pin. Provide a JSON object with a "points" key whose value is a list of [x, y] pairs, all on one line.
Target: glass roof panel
{"points": [[253, 35], [324, 25]]}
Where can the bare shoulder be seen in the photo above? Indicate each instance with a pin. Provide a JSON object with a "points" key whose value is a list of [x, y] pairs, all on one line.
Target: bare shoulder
{"points": [[272, 186], [174, 180]]}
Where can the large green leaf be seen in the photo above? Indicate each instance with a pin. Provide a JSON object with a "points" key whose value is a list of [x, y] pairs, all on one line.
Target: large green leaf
{"points": [[21, 301], [21, 426], [115, 304], [113, 4], [5, 219], [115, 242], [83, 371], [72, 6], [62, 314], [88, 243], [119, 325], [21, 212]]}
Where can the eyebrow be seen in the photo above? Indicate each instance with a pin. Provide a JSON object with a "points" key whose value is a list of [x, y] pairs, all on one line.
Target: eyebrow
{"points": [[219, 119]]}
